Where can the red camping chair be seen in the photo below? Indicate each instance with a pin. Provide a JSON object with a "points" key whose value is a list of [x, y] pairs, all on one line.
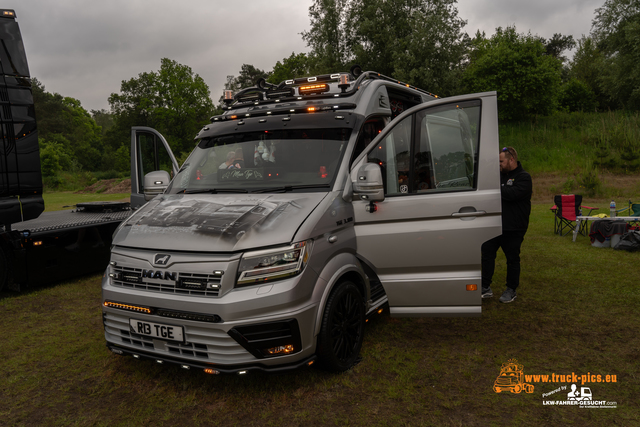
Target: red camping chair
{"points": [[567, 209]]}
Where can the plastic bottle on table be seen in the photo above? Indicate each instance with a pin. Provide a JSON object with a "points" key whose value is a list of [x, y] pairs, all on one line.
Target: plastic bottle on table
{"points": [[612, 209]]}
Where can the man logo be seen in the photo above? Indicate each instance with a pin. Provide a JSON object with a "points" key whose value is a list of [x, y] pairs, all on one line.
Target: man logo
{"points": [[161, 259]]}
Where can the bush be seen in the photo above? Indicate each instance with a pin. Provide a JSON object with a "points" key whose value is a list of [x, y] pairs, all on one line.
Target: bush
{"points": [[577, 96], [590, 181], [54, 155]]}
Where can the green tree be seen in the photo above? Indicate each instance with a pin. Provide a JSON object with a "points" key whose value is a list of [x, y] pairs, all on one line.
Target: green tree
{"points": [[588, 66], [517, 67], [557, 44], [249, 76], [103, 118], [55, 156], [290, 68], [174, 100], [575, 95], [63, 119], [616, 30], [417, 41], [330, 35]]}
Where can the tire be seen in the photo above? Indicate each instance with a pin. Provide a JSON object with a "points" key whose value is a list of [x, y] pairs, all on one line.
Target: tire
{"points": [[342, 331]]}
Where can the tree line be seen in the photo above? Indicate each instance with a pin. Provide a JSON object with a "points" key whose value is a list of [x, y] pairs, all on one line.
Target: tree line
{"points": [[420, 42]]}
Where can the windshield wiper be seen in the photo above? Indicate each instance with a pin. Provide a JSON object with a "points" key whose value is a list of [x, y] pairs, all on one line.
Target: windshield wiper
{"points": [[288, 188], [210, 191]]}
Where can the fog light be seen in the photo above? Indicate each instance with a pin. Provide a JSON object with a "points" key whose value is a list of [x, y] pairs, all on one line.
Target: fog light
{"points": [[116, 351], [185, 366], [283, 349], [135, 356], [159, 361], [242, 372]]}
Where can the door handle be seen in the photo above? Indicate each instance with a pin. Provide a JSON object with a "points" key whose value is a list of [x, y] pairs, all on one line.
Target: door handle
{"points": [[468, 214]]}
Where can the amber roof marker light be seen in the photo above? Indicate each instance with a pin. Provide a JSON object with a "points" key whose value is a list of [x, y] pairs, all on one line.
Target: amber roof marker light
{"points": [[314, 88]]}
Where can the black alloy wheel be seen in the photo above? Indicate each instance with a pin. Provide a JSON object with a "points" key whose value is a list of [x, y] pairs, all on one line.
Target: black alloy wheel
{"points": [[342, 331]]}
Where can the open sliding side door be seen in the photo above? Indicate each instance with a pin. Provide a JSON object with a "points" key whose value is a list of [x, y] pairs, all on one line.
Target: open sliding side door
{"points": [[440, 168]]}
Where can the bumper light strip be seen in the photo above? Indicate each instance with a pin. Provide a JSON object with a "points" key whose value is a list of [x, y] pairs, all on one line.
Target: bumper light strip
{"points": [[136, 308]]}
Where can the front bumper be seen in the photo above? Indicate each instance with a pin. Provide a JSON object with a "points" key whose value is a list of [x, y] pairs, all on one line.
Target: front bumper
{"points": [[209, 368], [226, 332]]}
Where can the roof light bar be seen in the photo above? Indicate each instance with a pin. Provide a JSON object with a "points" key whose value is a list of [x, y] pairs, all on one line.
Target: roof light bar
{"points": [[311, 89], [280, 93], [250, 97]]}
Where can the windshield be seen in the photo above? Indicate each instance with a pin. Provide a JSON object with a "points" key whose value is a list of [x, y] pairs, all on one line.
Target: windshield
{"points": [[279, 160]]}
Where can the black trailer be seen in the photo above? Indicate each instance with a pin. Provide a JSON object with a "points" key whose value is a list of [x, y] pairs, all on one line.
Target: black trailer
{"points": [[37, 247]]}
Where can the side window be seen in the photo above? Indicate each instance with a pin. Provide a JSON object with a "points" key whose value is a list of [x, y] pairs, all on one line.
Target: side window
{"points": [[448, 142], [393, 154], [433, 150], [152, 156], [371, 128]]}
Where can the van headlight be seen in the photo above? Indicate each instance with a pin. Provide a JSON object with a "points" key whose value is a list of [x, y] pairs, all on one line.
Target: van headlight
{"points": [[270, 265]]}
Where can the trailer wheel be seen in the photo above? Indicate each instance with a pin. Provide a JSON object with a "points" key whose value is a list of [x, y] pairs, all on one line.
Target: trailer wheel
{"points": [[342, 331]]}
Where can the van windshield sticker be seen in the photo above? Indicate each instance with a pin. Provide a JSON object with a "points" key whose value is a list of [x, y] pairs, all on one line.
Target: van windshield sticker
{"points": [[241, 175]]}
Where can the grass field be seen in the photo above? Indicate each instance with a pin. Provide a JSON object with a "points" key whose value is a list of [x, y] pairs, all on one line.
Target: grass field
{"points": [[575, 313], [67, 199]]}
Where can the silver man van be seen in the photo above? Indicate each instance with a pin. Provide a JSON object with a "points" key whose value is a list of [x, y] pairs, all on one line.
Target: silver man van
{"points": [[304, 208]]}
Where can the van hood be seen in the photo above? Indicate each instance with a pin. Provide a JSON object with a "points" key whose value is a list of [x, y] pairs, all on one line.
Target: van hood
{"points": [[214, 223]]}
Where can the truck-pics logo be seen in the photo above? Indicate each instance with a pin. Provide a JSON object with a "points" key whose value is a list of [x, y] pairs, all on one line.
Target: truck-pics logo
{"points": [[511, 379]]}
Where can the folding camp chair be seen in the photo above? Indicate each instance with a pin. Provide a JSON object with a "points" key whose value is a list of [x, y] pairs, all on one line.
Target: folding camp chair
{"points": [[634, 210], [567, 208]]}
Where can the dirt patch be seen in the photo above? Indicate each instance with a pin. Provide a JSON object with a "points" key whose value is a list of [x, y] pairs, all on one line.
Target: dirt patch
{"points": [[108, 186], [620, 187]]}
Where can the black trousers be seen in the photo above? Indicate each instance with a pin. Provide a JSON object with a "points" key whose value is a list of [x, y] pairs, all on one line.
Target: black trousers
{"points": [[510, 242]]}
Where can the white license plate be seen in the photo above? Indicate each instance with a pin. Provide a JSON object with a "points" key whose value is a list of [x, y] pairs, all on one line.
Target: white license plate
{"points": [[156, 330]]}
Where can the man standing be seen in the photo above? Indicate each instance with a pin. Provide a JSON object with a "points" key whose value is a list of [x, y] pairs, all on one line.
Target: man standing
{"points": [[515, 189]]}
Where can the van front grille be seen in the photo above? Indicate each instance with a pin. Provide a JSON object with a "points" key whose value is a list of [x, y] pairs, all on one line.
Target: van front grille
{"points": [[182, 283]]}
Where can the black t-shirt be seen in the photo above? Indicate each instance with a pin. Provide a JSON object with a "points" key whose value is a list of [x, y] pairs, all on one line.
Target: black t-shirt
{"points": [[516, 189]]}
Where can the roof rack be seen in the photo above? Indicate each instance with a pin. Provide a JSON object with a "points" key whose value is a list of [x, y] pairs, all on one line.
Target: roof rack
{"points": [[316, 87]]}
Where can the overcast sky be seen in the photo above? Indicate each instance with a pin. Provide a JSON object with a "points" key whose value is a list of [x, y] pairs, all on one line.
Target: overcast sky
{"points": [[84, 49]]}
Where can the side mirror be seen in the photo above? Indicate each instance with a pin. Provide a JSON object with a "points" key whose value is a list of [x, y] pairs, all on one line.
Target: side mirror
{"points": [[155, 183], [369, 185]]}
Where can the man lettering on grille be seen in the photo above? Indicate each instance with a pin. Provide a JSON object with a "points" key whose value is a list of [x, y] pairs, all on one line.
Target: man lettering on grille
{"points": [[515, 189]]}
